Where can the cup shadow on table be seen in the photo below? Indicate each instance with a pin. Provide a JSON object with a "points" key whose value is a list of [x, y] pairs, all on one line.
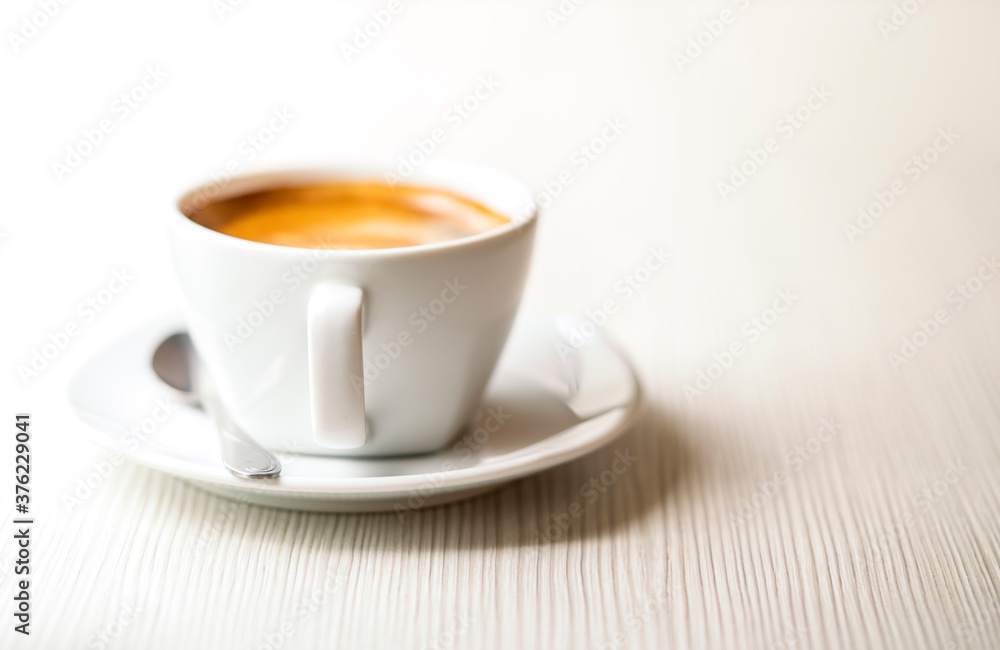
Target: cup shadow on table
{"points": [[596, 496]]}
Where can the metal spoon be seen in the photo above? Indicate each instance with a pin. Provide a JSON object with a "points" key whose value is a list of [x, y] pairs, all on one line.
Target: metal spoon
{"points": [[176, 363]]}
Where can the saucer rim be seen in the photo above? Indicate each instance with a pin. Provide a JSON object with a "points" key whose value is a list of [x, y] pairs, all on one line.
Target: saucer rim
{"points": [[509, 469]]}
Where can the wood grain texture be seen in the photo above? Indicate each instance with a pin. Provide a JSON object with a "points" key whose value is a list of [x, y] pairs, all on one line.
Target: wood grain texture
{"points": [[814, 496]]}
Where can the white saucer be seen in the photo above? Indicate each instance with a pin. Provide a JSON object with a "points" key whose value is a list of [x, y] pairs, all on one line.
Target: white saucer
{"points": [[560, 409]]}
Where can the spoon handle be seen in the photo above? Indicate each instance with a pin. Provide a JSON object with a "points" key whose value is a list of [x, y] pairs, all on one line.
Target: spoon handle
{"points": [[241, 454]]}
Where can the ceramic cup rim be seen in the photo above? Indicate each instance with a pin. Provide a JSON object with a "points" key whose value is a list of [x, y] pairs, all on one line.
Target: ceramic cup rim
{"points": [[242, 183]]}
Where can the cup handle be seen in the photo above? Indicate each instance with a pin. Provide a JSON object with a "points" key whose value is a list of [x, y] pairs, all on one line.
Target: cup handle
{"points": [[336, 373]]}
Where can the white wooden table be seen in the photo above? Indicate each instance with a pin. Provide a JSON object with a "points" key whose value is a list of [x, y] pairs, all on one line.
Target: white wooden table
{"points": [[808, 490]]}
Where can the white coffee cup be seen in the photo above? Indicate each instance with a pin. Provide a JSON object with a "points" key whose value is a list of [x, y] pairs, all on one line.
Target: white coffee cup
{"points": [[354, 352]]}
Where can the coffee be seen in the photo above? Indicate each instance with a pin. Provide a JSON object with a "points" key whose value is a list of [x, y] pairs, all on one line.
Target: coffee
{"points": [[347, 215]]}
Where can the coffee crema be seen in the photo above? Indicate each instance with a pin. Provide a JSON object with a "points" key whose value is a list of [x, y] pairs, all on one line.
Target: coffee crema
{"points": [[347, 215]]}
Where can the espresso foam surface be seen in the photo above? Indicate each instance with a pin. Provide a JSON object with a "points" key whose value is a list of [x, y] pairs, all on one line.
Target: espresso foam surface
{"points": [[348, 216]]}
